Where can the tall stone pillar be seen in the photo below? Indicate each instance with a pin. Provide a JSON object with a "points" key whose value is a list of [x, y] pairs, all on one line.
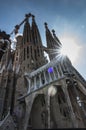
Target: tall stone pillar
{"points": [[72, 115]]}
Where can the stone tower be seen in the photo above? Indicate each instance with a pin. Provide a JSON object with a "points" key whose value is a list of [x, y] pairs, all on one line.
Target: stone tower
{"points": [[32, 54], [47, 94], [7, 79]]}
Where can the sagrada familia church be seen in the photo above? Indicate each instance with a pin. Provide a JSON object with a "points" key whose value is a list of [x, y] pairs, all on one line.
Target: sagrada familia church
{"points": [[37, 93]]}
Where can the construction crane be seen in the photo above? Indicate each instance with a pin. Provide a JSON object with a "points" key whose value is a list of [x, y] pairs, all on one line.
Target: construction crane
{"points": [[17, 27]]}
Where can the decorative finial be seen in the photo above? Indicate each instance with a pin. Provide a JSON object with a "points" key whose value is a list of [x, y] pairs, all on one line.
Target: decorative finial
{"points": [[46, 25], [16, 29], [53, 31], [33, 17], [28, 15]]}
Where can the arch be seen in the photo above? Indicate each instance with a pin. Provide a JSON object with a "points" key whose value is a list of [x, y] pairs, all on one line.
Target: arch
{"points": [[61, 95], [64, 110], [74, 96], [60, 115], [38, 115]]}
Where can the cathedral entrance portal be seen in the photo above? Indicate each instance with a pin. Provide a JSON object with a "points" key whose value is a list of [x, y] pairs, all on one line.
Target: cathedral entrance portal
{"points": [[38, 115]]}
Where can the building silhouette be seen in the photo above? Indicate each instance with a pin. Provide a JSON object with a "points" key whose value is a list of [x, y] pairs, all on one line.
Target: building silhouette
{"points": [[34, 92]]}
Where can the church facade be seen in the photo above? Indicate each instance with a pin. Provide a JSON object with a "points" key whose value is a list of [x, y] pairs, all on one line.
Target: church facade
{"points": [[36, 93]]}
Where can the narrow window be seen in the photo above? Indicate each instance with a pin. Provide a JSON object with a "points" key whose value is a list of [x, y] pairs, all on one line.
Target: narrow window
{"points": [[27, 52], [24, 53], [35, 55]]}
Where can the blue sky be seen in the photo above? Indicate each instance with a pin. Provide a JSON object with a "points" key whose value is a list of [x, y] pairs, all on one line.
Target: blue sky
{"points": [[65, 16]]}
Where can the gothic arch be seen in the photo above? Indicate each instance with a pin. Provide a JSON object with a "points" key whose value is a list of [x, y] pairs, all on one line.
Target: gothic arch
{"points": [[74, 97], [59, 110], [38, 113]]}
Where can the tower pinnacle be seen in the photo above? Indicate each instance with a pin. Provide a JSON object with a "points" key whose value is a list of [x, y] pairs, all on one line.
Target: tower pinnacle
{"points": [[33, 17], [46, 25], [27, 31], [53, 44], [35, 33], [56, 38]]}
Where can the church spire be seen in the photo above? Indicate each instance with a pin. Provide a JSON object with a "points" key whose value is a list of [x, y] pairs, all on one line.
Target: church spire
{"points": [[51, 42], [56, 38], [27, 31], [31, 54], [35, 32]]}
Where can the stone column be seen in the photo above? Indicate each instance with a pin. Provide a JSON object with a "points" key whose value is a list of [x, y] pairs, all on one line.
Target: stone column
{"points": [[47, 101], [50, 79], [72, 115], [48, 111], [45, 77], [40, 80], [57, 72], [60, 70], [27, 114], [32, 84], [35, 83], [29, 84], [54, 74]]}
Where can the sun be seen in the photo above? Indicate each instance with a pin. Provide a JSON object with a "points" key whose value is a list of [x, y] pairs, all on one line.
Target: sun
{"points": [[70, 48]]}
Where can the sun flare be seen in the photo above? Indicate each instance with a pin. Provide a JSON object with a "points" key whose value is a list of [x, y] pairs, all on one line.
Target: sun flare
{"points": [[70, 48]]}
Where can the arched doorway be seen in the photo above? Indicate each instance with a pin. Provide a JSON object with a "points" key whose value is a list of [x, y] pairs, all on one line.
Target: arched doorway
{"points": [[38, 115], [59, 110]]}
